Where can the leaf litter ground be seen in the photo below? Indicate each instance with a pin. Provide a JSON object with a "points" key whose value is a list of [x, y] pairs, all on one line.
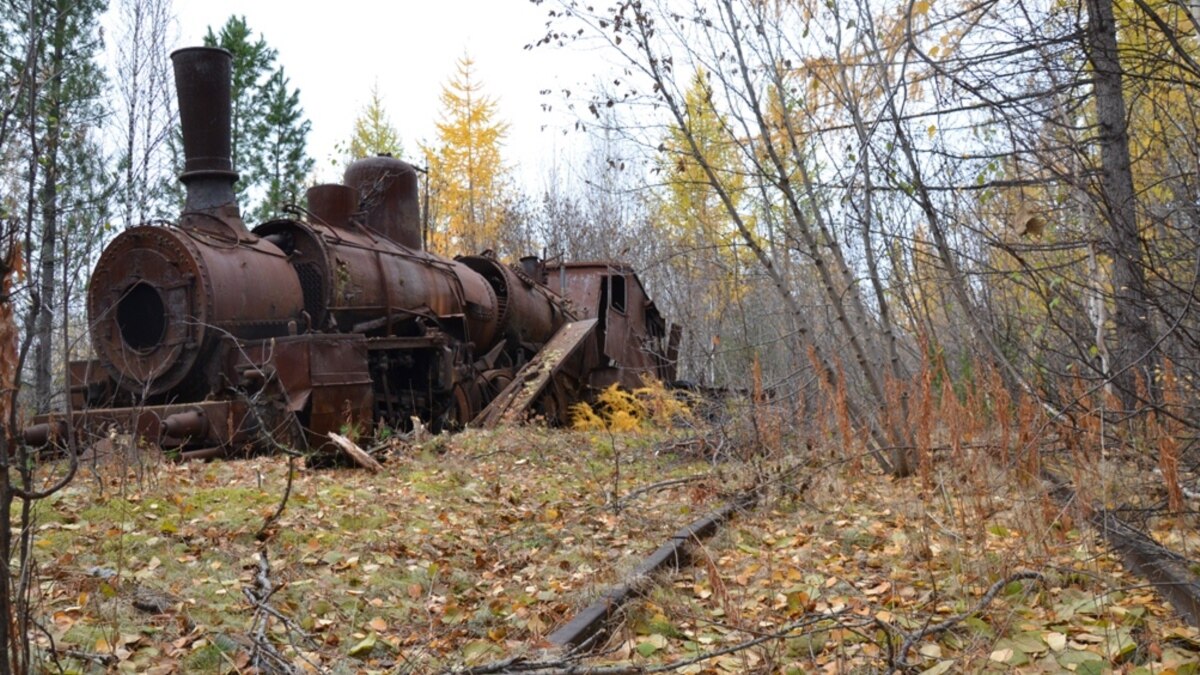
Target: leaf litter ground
{"points": [[473, 549], [858, 559], [460, 553]]}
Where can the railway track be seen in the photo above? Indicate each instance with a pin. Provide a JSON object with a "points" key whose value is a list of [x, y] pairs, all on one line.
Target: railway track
{"points": [[1168, 572], [676, 552]]}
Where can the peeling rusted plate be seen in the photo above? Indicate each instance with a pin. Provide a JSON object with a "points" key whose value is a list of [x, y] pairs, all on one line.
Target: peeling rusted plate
{"points": [[327, 375], [532, 379], [341, 387]]}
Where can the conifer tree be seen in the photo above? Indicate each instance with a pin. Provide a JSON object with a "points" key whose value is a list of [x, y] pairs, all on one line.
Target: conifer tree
{"points": [[468, 179], [281, 163], [270, 133], [374, 133]]}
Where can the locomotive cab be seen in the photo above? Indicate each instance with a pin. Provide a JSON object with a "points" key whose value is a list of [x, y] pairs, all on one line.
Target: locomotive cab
{"points": [[633, 338]]}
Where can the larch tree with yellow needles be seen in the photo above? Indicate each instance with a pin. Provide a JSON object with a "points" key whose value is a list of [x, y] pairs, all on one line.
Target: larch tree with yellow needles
{"points": [[467, 176]]}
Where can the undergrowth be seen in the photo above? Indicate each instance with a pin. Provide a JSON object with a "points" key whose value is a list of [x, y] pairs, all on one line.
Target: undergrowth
{"points": [[474, 547]]}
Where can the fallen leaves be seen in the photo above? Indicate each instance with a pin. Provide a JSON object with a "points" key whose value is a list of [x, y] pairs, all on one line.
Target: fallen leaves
{"points": [[861, 562], [441, 559], [475, 554]]}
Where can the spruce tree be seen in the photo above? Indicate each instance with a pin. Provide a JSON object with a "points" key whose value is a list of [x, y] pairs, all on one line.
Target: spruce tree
{"points": [[270, 133]]}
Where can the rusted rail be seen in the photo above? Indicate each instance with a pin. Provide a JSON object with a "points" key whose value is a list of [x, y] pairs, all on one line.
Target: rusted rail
{"points": [[1168, 572], [674, 554]]}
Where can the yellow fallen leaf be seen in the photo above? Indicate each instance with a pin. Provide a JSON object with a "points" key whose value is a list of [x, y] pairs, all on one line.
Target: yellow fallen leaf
{"points": [[880, 589], [939, 669], [1056, 640], [1001, 655]]}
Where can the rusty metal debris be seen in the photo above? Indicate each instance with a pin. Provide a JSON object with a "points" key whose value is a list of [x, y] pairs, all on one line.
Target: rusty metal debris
{"points": [[212, 338]]}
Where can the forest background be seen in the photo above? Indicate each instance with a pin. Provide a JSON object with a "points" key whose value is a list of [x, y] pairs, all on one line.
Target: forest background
{"points": [[868, 210]]}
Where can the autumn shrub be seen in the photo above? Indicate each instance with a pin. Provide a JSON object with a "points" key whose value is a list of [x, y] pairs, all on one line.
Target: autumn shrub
{"points": [[651, 405]]}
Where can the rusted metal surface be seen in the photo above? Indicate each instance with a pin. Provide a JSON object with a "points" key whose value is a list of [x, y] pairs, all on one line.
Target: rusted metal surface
{"points": [[672, 555], [160, 298], [633, 336], [527, 312], [531, 381], [323, 379], [203, 81], [387, 188], [332, 204], [359, 282], [225, 423], [87, 381], [211, 337]]}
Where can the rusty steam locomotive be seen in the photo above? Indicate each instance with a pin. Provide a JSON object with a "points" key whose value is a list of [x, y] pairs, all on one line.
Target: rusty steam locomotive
{"points": [[212, 338]]}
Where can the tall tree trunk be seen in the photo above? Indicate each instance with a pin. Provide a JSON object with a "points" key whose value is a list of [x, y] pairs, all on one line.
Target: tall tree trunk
{"points": [[1134, 346], [49, 263]]}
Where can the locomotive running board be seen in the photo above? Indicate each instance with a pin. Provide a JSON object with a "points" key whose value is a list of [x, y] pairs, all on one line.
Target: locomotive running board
{"points": [[532, 379]]}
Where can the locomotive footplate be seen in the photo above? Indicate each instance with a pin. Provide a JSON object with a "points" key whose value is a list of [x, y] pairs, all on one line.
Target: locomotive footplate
{"points": [[289, 391], [207, 426]]}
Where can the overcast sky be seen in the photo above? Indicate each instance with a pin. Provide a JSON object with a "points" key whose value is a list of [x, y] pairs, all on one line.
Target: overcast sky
{"points": [[334, 51]]}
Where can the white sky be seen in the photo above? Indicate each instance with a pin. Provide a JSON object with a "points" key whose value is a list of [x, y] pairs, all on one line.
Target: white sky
{"points": [[334, 51]]}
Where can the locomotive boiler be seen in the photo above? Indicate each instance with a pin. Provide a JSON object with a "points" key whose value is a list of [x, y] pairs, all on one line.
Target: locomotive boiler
{"points": [[211, 337]]}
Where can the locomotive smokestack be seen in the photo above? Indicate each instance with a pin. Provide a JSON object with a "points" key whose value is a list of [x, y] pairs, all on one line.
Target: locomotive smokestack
{"points": [[203, 82]]}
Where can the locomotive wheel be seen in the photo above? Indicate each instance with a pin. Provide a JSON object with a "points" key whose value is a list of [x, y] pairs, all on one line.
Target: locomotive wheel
{"points": [[493, 382], [553, 405], [468, 401]]}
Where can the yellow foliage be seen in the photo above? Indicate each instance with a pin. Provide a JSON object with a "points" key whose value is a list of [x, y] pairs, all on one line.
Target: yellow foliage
{"points": [[584, 418], [663, 407], [468, 180], [692, 215], [651, 405]]}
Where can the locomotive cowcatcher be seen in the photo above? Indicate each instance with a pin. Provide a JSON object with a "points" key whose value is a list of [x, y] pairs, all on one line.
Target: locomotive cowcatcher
{"points": [[211, 338]]}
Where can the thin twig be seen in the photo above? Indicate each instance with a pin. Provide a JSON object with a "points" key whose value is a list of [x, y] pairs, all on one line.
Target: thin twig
{"points": [[95, 657], [662, 485], [264, 532], [263, 654], [911, 639]]}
